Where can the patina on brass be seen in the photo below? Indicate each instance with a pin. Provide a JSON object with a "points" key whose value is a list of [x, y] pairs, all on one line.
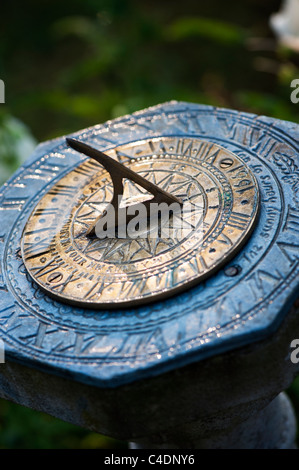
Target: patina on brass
{"points": [[109, 273]]}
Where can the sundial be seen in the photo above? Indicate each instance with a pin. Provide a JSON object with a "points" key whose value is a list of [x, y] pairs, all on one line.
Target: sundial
{"points": [[221, 197], [111, 311]]}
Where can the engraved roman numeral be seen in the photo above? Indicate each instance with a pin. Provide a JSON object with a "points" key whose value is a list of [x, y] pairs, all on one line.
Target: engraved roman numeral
{"points": [[41, 332], [2, 285], [38, 336], [162, 147], [87, 168], [196, 264], [290, 251], [12, 203], [179, 146], [70, 279], [11, 318], [37, 248], [63, 190], [227, 304], [40, 230], [263, 144], [292, 221], [187, 150], [263, 279], [134, 288], [44, 172], [95, 290], [239, 167], [243, 190], [211, 158], [203, 151], [76, 346], [46, 211], [52, 265], [228, 126], [9, 312], [238, 220], [122, 157], [224, 239], [151, 146]]}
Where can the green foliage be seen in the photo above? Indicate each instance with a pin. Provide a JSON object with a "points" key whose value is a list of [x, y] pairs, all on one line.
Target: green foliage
{"points": [[69, 65], [23, 428], [218, 31], [16, 144]]}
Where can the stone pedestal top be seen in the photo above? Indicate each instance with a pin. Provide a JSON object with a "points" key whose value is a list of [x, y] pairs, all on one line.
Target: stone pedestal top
{"points": [[220, 347]]}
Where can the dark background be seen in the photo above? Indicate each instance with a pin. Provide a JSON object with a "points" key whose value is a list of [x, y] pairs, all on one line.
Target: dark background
{"points": [[69, 64]]}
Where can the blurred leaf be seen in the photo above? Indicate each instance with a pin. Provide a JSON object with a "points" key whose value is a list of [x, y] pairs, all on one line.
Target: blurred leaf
{"points": [[185, 28], [287, 73], [80, 26], [270, 105], [16, 144]]}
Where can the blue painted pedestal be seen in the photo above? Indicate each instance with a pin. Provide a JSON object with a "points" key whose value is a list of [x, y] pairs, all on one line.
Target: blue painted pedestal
{"points": [[140, 373]]}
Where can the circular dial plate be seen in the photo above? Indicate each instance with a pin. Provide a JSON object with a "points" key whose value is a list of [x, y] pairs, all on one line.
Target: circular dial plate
{"points": [[221, 200]]}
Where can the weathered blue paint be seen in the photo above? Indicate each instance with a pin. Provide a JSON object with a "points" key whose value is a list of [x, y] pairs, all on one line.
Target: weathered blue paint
{"points": [[109, 348]]}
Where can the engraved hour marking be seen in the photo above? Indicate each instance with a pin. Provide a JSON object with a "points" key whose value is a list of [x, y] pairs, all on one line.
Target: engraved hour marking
{"points": [[44, 172], [36, 247], [211, 158], [179, 145], [162, 147], [187, 150], [95, 290], [9, 312], [12, 203], [151, 146], [225, 239], [42, 328], [238, 167], [122, 157], [88, 167], [40, 230], [40, 253], [70, 279], [63, 190], [53, 264], [238, 220], [46, 211], [244, 189], [292, 221], [290, 251]]}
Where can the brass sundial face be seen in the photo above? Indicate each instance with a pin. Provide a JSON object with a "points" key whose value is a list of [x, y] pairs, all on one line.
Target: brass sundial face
{"points": [[114, 272]]}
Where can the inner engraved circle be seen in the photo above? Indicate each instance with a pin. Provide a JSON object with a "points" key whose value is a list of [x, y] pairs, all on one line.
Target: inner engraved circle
{"points": [[200, 199]]}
